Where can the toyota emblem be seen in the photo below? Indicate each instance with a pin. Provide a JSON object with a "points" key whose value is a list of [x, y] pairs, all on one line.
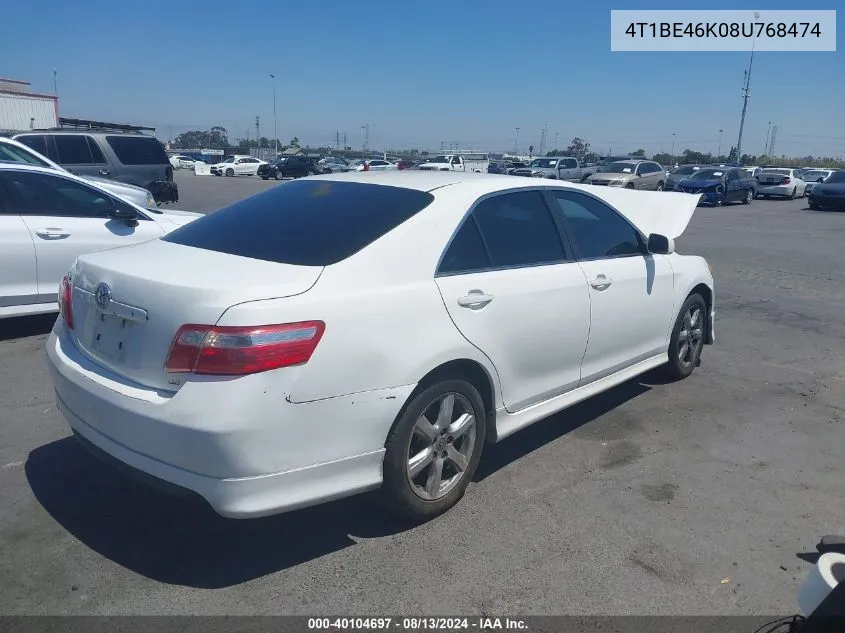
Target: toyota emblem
{"points": [[102, 296]]}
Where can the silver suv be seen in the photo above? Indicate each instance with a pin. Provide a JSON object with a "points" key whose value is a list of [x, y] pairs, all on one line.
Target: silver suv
{"points": [[129, 157], [631, 174]]}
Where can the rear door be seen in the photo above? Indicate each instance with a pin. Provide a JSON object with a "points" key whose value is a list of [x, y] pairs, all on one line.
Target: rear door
{"points": [[570, 169], [514, 291], [79, 154], [18, 277], [65, 219]]}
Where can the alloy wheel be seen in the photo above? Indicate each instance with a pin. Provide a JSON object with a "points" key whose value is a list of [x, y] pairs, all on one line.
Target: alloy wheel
{"points": [[691, 336], [441, 446]]}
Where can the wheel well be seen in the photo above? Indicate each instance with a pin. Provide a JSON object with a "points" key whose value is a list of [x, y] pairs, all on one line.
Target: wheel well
{"points": [[707, 295], [464, 369]]}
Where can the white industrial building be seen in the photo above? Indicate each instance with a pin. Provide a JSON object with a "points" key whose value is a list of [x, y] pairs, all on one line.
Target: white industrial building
{"points": [[21, 109]]}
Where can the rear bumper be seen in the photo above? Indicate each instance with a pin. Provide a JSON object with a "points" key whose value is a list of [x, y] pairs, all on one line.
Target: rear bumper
{"points": [[775, 190], [239, 444], [163, 190]]}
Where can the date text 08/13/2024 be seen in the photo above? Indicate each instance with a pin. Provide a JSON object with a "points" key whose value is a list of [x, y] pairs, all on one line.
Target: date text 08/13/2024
{"points": [[416, 624]]}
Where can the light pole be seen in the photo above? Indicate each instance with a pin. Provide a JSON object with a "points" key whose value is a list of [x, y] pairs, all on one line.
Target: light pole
{"points": [[673, 147], [516, 144], [556, 135], [719, 151], [275, 122], [55, 84]]}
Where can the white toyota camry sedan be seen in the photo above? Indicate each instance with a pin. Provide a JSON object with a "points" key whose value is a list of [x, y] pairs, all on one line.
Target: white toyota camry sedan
{"points": [[370, 330]]}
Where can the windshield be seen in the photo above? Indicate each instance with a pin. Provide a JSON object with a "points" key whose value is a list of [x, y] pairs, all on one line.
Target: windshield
{"points": [[709, 174], [835, 177], [784, 172], [544, 163], [439, 159], [12, 154], [620, 168], [686, 169]]}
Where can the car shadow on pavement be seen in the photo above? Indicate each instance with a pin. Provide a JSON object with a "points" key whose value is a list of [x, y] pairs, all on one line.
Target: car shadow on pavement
{"points": [[534, 437], [180, 540], [20, 327]]}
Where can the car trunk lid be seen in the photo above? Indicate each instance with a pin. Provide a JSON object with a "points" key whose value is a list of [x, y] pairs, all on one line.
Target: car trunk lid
{"points": [[128, 303]]}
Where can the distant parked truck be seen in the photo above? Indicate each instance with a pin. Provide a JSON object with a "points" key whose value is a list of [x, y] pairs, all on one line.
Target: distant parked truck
{"points": [[556, 168], [457, 162]]}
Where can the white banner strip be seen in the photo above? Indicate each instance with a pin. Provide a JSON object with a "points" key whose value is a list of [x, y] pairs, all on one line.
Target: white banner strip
{"points": [[695, 30]]}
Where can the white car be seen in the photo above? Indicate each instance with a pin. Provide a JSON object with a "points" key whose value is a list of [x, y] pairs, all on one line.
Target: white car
{"points": [[374, 165], [267, 364], [782, 182], [183, 162], [12, 151], [48, 218], [237, 166], [815, 176]]}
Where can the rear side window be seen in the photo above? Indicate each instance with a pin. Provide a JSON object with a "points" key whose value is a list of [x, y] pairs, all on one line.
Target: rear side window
{"points": [[518, 230], [36, 142], [466, 253], [138, 150], [316, 223], [72, 149]]}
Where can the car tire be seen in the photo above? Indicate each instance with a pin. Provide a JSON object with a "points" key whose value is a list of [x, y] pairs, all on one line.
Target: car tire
{"points": [[584, 179], [630, 185], [230, 172], [659, 186], [749, 195], [311, 172], [794, 193], [814, 206], [410, 496], [682, 362], [264, 177]]}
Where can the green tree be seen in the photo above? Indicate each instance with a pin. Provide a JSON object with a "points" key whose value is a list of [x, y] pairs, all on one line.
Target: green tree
{"points": [[639, 152], [578, 147], [294, 142]]}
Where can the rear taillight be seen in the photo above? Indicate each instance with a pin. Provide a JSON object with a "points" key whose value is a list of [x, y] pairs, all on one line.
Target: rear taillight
{"points": [[236, 351], [65, 300], [786, 181]]}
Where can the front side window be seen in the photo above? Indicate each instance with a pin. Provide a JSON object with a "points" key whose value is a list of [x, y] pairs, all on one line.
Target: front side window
{"points": [[519, 230], [45, 194], [14, 154], [598, 231]]}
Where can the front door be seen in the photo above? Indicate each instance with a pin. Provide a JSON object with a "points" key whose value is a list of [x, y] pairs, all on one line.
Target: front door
{"points": [[18, 278], [514, 292], [65, 219], [631, 292]]}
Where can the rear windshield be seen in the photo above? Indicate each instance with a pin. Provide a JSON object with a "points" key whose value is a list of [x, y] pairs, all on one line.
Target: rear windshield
{"points": [[304, 223], [138, 150]]}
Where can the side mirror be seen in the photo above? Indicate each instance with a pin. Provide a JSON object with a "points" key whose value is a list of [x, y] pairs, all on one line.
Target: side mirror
{"points": [[123, 213], [660, 244]]}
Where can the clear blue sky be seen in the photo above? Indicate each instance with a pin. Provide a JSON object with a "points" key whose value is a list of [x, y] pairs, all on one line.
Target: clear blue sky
{"points": [[420, 73]]}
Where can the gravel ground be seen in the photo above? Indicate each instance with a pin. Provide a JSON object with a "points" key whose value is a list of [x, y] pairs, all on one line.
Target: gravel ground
{"points": [[643, 500]]}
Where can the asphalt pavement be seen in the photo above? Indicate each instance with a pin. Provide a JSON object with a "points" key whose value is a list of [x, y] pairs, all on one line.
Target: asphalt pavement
{"points": [[701, 497]]}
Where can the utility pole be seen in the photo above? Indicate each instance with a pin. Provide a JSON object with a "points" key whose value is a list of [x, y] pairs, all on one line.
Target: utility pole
{"points": [[673, 147], [746, 90], [768, 131], [442, 147], [543, 132], [275, 123], [516, 144], [774, 137], [345, 145], [337, 139], [55, 83], [719, 151], [257, 135], [556, 137]]}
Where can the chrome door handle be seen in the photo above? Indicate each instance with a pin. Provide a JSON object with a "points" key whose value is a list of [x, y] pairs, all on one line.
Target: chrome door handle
{"points": [[601, 282], [474, 300], [51, 233]]}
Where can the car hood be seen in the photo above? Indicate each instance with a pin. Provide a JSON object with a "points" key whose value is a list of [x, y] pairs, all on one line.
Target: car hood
{"points": [[664, 213], [175, 216]]}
